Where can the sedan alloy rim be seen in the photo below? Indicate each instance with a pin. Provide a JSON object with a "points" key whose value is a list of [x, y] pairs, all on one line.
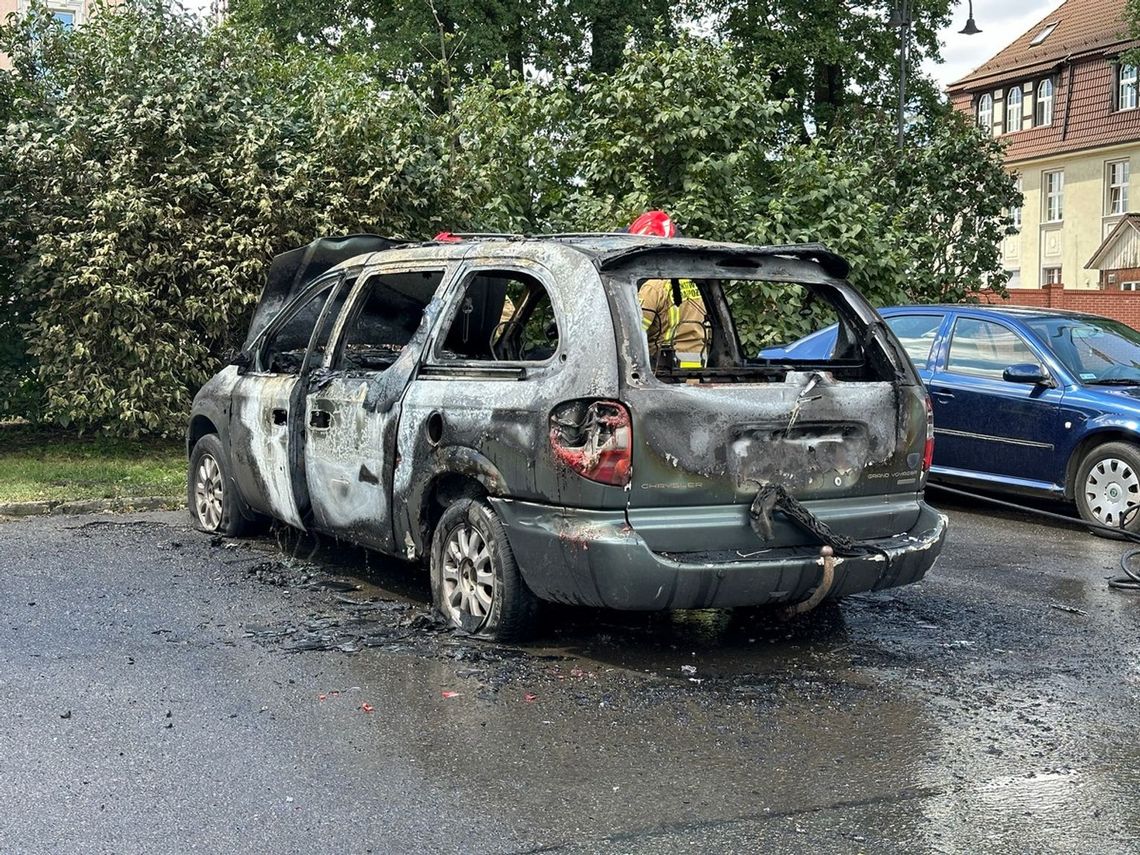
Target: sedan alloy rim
{"points": [[1111, 489], [208, 492], [468, 578]]}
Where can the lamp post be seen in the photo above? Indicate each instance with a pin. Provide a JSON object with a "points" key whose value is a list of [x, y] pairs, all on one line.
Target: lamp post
{"points": [[901, 18]]}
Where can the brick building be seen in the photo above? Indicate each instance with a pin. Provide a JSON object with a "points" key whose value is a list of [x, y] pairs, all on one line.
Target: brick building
{"points": [[1066, 105]]}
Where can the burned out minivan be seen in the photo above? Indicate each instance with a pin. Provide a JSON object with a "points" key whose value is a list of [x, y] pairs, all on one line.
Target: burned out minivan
{"points": [[487, 406]]}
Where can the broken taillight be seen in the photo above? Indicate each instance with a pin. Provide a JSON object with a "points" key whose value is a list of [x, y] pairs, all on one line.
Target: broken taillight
{"points": [[928, 450], [594, 439]]}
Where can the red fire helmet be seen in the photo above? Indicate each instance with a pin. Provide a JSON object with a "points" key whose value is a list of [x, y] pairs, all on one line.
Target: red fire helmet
{"points": [[654, 223]]}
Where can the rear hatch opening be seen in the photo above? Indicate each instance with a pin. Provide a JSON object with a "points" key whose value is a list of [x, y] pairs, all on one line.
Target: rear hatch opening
{"points": [[741, 372]]}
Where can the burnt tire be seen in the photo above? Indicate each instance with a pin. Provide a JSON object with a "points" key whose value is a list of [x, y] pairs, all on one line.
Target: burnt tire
{"points": [[1107, 488], [475, 580], [210, 490]]}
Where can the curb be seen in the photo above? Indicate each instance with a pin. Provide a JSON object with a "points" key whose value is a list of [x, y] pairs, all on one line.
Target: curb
{"points": [[90, 506]]}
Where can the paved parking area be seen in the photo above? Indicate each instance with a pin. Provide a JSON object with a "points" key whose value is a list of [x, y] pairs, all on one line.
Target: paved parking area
{"points": [[163, 691]]}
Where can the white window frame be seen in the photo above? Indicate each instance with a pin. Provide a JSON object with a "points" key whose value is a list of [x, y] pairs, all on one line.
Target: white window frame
{"points": [[1013, 100], [1130, 286], [1015, 211], [1116, 187], [1126, 87], [1043, 105], [1047, 277], [1053, 195], [985, 114]]}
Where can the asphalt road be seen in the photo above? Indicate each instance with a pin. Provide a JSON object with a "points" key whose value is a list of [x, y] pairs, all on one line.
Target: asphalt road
{"points": [[162, 691]]}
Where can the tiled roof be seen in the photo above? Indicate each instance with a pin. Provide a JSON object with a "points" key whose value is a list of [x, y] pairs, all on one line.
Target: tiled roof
{"points": [[1085, 120], [1077, 54], [1083, 27]]}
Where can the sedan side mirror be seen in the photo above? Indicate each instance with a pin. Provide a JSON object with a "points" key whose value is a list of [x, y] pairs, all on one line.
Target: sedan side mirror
{"points": [[1027, 372]]}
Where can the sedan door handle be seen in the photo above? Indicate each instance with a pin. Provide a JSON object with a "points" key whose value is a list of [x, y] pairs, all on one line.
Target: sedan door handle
{"points": [[942, 394], [320, 419]]}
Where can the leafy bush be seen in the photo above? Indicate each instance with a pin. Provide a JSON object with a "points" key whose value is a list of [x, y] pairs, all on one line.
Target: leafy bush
{"points": [[152, 165]]}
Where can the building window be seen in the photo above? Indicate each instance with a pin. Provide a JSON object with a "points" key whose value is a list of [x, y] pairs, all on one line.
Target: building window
{"points": [[1013, 110], [986, 114], [1043, 112], [1116, 181], [1053, 185], [1130, 286], [1126, 87], [65, 18], [1015, 211], [1044, 34], [1051, 275]]}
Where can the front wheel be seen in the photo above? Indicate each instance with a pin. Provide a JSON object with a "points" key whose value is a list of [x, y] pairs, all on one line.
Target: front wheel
{"points": [[209, 490], [475, 580], [1107, 490]]}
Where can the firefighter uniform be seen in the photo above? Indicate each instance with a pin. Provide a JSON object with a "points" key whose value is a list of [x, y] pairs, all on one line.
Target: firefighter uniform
{"points": [[667, 324]]}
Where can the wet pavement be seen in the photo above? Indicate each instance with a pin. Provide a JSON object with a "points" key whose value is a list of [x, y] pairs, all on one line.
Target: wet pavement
{"points": [[165, 691]]}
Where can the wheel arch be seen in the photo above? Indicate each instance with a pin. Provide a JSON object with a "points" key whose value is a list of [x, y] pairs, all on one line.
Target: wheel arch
{"points": [[1087, 443], [200, 425], [456, 472]]}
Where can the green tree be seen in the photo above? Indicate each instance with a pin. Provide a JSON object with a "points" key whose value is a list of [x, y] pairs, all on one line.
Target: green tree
{"points": [[834, 60]]}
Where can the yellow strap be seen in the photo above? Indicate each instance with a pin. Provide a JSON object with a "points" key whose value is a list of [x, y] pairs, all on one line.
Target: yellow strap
{"points": [[674, 320]]}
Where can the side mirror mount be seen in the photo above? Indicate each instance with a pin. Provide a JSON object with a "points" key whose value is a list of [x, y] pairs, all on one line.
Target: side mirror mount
{"points": [[241, 358], [1029, 373]]}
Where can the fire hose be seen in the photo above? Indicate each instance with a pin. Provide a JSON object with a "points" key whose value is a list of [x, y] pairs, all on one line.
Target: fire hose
{"points": [[1129, 581]]}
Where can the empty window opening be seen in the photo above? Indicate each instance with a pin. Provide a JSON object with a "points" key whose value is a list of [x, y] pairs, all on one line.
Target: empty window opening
{"points": [[502, 316], [385, 315], [702, 329], [284, 348]]}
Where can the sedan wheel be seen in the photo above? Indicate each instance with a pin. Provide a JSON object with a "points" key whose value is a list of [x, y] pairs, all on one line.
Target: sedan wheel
{"points": [[1108, 486]]}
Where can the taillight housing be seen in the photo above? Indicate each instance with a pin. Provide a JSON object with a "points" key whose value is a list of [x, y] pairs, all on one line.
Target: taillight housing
{"points": [[593, 439], [928, 450]]}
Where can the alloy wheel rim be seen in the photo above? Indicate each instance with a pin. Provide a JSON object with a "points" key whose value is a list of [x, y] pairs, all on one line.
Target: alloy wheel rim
{"points": [[208, 492], [468, 577], [1111, 489]]}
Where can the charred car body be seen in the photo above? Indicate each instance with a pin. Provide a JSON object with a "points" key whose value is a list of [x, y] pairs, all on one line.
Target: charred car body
{"points": [[489, 407]]}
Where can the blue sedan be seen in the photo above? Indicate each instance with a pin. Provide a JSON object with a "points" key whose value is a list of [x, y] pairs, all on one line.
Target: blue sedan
{"points": [[1032, 401]]}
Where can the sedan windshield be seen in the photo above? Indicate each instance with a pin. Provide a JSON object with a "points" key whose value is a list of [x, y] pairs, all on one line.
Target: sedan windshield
{"points": [[1096, 350]]}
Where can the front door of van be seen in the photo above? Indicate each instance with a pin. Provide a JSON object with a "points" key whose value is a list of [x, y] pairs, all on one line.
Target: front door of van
{"points": [[352, 405], [266, 403]]}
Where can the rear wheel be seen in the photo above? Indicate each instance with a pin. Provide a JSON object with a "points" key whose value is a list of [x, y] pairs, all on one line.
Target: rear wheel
{"points": [[1107, 490], [475, 580], [209, 490]]}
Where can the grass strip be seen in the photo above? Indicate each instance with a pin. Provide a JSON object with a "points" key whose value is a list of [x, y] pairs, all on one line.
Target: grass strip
{"points": [[38, 464]]}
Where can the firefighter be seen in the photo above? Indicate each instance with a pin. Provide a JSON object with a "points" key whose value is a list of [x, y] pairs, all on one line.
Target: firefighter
{"points": [[672, 311]]}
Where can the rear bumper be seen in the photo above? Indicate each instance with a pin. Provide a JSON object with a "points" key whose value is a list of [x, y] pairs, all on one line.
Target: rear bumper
{"points": [[594, 558]]}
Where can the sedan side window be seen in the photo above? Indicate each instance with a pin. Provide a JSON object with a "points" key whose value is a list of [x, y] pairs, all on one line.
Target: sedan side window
{"points": [[385, 314], [986, 349], [503, 316], [916, 334]]}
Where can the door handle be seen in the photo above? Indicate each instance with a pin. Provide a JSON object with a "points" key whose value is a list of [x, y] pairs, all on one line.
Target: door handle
{"points": [[942, 394], [280, 416], [320, 419]]}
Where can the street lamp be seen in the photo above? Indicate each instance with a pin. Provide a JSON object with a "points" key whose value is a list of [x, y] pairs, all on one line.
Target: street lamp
{"points": [[971, 29], [901, 18]]}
